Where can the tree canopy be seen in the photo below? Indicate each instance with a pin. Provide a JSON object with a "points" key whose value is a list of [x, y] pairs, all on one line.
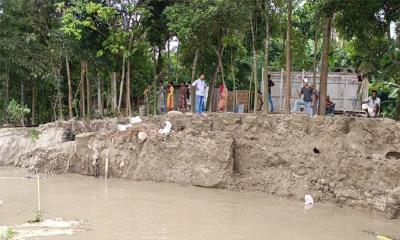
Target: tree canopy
{"points": [[93, 58]]}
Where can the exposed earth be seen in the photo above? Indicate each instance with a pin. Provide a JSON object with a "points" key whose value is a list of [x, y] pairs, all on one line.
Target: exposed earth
{"points": [[348, 161]]}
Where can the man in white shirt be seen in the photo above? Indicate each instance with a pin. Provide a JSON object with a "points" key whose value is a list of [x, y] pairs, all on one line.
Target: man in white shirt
{"points": [[201, 86], [372, 106]]}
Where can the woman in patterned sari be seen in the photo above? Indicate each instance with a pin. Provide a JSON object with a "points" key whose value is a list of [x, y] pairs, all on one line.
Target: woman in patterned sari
{"points": [[182, 97], [223, 93]]}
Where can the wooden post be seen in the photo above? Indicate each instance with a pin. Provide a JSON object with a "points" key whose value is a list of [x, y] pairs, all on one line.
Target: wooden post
{"points": [[282, 92], [38, 193], [288, 59]]}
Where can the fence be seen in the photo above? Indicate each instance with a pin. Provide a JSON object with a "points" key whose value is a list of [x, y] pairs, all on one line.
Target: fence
{"points": [[345, 89]]}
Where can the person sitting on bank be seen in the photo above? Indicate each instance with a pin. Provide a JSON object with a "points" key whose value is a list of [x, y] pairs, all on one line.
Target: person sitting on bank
{"points": [[307, 92], [260, 100], [372, 105], [330, 106]]}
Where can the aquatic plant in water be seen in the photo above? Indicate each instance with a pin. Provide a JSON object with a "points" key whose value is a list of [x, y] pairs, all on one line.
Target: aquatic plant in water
{"points": [[8, 235], [37, 218]]}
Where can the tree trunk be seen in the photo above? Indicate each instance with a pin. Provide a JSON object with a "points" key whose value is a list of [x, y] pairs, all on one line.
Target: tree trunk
{"points": [[325, 64], [315, 58], [193, 90], [253, 35], [159, 66], [6, 94], [288, 84], [235, 99], [155, 80], [70, 107], [59, 93], [114, 92], [34, 101], [121, 86], [100, 107], [128, 89], [22, 92], [221, 68], [89, 91], [255, 79], [315, 100], [266, 63], [233, 76], [397, 113], [210, 99], [82, 91]]}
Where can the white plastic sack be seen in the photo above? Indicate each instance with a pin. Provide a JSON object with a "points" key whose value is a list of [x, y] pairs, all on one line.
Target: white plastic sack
{"points": [[123, 128], [308, 200], [136, 120], [171, 113], [142, 136], [167, 129]]}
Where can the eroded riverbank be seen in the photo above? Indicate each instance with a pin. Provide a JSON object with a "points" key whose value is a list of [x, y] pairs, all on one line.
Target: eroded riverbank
{"points": [[120, 209], [347, 161]]}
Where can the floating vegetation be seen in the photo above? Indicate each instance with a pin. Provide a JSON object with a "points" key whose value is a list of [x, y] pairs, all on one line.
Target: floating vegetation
{"points": [[7, 234], [37, 218], [45, 228]]}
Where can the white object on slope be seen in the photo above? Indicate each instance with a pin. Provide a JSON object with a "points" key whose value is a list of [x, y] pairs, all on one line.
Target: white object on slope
{"points": [[142, 136], [1, 202], [308, 200], [123, 128], [52, 223], [167, 129], [136, 120], [174, 113]]}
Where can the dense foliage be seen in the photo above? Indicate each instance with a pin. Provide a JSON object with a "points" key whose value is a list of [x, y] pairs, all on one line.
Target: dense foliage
{"points": [[93, 58]]}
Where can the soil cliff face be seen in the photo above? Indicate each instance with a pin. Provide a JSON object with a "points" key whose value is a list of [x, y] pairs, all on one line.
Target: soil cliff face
{"points": [[348, 161]]}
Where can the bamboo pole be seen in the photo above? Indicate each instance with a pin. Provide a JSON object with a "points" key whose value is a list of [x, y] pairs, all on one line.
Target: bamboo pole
{"points": [[107, 160], [38, 193]]}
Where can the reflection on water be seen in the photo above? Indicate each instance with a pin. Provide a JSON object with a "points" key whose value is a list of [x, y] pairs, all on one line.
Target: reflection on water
{"points": [[119, 209]]}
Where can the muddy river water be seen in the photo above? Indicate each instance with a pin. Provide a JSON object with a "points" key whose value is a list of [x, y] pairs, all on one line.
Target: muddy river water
{"points": [[120, 209]]}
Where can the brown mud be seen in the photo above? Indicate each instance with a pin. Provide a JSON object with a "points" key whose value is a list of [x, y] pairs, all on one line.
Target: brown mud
{"points": [[348, 161]]}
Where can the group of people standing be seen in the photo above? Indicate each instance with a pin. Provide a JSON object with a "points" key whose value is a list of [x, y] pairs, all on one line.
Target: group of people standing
{"points": [[166, 97], [308, 98]]}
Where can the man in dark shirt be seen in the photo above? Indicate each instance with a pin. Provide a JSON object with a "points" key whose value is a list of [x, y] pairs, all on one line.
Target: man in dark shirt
{"points": [[307, 91], [270, 85]]}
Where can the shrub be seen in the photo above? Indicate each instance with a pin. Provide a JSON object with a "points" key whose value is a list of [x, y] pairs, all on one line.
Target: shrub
{"points": [[17, 112]]}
